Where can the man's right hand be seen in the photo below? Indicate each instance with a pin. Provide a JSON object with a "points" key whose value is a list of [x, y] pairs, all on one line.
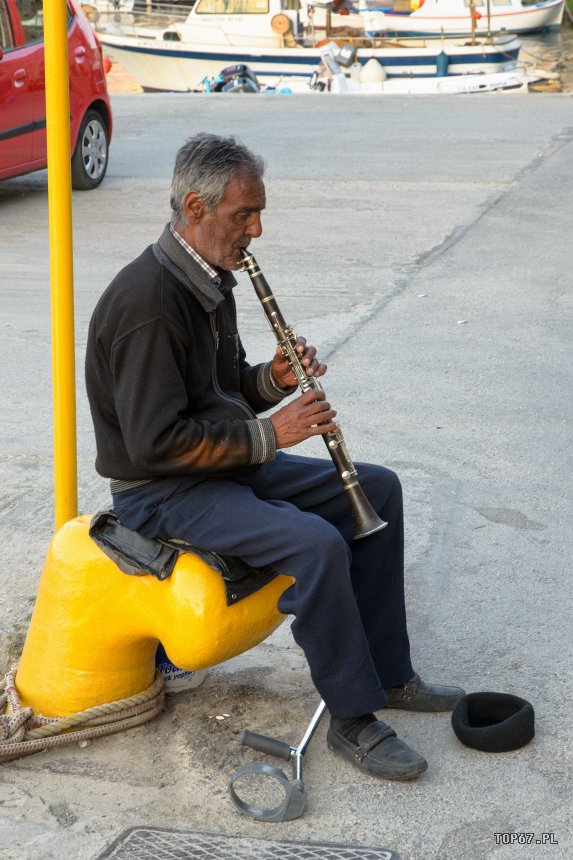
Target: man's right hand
{"points": [[308, 415]]}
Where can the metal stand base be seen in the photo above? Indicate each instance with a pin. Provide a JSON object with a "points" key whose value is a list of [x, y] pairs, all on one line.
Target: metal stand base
{"points": [[294, 800]]}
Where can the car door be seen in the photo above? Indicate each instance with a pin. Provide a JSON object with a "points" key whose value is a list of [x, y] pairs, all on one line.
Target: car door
{"points": [[32, 21], [21, 84], [16, 96]]}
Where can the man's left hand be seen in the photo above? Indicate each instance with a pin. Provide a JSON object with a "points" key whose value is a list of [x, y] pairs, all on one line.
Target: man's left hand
{"points": [[282, 373]]}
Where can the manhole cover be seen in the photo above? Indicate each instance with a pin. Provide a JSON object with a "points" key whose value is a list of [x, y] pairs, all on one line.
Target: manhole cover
{"points": [[143, 843]]}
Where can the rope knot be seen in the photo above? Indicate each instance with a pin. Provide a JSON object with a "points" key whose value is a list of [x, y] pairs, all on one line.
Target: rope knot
{"points": [[13, 728]]}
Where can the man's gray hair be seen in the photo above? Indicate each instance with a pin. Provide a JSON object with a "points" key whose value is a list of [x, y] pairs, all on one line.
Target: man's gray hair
{"points": [[205, 164]]}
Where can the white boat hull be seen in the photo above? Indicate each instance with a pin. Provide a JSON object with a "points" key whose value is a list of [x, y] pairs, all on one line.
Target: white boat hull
{"points": [[516, 81], [180, 66], [452, 18]]}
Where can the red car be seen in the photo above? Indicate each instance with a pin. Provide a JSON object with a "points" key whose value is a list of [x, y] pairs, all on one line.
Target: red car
{"points": [[23, 97]]}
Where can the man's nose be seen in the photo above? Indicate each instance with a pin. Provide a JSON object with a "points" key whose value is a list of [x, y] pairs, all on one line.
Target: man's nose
{"points": [[254, 226]]}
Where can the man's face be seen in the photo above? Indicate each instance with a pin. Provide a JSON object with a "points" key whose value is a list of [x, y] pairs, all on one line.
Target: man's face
{"points": [[219, 236]]}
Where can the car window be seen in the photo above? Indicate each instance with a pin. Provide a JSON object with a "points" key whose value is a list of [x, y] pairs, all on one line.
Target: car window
{"points": [[6, 38], [32, 18]]}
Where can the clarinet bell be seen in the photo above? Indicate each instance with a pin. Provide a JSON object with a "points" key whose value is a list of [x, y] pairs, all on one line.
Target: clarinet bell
{"points": [[366, 520]]}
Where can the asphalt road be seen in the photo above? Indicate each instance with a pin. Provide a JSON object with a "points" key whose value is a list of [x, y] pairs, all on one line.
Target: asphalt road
{"points": [[424, 244]]}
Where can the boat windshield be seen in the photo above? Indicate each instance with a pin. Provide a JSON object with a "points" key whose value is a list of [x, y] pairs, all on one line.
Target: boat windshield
{"points": [[232, 7]]}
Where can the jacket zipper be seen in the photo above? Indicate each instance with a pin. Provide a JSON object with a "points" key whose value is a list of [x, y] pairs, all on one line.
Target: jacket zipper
{"points": [[216, 385]]}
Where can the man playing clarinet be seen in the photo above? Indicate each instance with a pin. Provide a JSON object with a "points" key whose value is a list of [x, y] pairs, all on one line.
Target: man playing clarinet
{"points": [[177, 415]]}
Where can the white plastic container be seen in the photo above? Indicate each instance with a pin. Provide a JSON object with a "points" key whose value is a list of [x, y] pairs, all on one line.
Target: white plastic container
{"points": [[177, 680]]}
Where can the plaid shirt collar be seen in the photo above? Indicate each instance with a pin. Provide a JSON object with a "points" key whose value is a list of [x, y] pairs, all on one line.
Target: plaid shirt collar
{"points": [[211, 272]]}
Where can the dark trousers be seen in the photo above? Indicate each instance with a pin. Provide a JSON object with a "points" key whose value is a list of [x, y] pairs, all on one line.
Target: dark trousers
{"points": [[292, 514]]}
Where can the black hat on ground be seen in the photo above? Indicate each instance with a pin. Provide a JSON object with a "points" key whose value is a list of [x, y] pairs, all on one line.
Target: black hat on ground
{"points": [[493, 722]]}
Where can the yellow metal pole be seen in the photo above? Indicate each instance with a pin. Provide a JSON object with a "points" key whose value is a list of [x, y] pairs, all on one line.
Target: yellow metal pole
{"points": [[61, 259]]}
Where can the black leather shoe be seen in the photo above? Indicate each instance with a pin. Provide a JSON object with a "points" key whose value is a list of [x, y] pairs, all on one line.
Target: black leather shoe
{"points": [[378, 751], [416, 695]]}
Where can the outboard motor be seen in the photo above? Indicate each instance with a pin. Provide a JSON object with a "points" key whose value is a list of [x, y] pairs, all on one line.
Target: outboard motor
{"points": [[236, 79]]}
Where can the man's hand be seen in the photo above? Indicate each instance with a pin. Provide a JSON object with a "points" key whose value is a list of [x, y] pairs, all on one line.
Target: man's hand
{"points": [[308, 415], [282, 373]]}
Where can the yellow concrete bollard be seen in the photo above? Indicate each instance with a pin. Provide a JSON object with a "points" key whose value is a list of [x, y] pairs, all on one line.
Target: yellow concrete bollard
{"points": [[94, 630]]}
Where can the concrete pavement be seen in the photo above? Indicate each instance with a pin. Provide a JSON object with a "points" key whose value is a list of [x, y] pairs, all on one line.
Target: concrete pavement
{"points": [[423, 243]]}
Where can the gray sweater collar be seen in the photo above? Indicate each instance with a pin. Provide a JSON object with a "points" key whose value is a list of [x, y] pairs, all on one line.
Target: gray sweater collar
{"points": [[174, 257]]}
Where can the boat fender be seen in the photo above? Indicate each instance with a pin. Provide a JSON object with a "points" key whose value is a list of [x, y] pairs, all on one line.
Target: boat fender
{"points": [[355, 71], [442, 63], [372, 72]]}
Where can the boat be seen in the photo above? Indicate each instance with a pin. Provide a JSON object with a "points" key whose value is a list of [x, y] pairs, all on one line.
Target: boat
{"points": [[274, 42], [458, 17], [370, 79]]}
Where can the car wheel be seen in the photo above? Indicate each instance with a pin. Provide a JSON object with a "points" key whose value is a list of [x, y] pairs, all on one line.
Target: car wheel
{"points": [[89, 161]]}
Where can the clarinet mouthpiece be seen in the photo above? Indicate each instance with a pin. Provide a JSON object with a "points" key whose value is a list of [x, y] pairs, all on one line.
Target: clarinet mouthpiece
{"points": [[246, 260]]}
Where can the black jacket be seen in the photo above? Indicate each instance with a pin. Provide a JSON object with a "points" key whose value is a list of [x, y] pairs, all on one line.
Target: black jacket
{"points": [[170, 390]]}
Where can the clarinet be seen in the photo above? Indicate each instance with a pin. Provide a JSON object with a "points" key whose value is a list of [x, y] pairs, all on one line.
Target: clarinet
{"points": [[366, 520]]}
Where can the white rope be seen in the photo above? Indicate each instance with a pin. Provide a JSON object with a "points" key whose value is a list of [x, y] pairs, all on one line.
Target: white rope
{"points": [[22, 732]]}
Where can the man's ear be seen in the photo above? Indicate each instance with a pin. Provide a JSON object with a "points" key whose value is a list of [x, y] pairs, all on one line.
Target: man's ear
{"points": [[193, 207]]}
